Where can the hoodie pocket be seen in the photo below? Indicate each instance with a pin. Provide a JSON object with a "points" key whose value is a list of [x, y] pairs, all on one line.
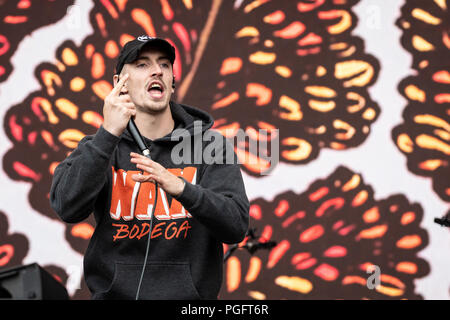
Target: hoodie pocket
{"points": [[162, 281]]}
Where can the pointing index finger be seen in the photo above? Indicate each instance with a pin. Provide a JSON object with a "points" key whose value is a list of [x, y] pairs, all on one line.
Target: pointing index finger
{"points": [[118, 87]]}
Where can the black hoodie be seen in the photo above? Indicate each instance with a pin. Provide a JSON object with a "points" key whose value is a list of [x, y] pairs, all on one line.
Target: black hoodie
{"points": [[186, 254]]}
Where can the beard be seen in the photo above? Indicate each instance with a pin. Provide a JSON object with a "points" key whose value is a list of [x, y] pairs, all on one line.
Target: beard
{"points": [[152, 106]]}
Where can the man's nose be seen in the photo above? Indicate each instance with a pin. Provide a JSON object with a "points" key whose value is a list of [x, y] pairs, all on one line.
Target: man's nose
{"points": [[156, 70]]}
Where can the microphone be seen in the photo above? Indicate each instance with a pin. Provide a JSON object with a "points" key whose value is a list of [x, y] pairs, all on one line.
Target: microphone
{"points": [[445, 222], [137, 137]]}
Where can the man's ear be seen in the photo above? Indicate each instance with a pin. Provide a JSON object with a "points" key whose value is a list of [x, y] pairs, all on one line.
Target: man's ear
{"points": [[115, 79]]}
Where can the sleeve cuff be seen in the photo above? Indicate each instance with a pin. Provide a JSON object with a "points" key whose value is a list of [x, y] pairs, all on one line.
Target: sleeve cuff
{"points": [[105, 142], [189, 196]]}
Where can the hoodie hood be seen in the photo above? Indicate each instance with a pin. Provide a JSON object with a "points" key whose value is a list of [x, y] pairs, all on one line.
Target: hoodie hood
{"points": [[185, 117]]}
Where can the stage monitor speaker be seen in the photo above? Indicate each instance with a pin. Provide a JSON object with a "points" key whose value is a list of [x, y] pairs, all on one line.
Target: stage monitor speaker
{"points": [[30, 282]]}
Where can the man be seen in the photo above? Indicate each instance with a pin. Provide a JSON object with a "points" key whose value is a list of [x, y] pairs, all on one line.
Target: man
{"points": [[199, 206]]}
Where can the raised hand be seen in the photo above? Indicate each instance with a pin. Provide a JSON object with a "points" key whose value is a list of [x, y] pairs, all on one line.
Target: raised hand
{"points": [[118, 108]]}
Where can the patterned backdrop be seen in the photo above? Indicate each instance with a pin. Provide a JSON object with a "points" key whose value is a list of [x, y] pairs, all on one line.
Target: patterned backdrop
{"points": [[359, 93]]}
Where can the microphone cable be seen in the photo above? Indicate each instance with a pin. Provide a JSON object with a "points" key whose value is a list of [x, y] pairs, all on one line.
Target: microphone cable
{"points": [[148, 238]]}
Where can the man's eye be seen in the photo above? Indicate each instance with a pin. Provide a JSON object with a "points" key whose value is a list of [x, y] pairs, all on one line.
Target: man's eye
{"points": [[141, 65], [165, 65]]}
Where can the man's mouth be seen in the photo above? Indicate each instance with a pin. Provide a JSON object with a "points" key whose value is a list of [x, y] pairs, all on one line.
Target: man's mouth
{"points": [[156, 90]]}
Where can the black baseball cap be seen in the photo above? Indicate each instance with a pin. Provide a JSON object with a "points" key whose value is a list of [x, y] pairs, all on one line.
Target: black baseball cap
{"points": [[133, 48]]}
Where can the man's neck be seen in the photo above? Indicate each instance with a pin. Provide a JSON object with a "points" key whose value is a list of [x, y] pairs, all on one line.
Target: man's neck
{"points": [[154, 126]]}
